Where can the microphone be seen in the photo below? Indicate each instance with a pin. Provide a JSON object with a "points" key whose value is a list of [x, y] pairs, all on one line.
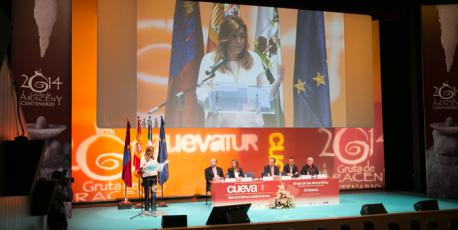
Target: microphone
{"points": [[154, 110], [213, 68]]}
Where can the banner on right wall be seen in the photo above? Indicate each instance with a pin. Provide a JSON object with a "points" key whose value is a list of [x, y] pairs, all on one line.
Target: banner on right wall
{"points": [[439, 33]]}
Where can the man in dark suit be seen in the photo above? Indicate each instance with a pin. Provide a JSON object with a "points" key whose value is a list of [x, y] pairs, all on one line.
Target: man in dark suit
{"points": [[213, 173], [309, 168], [290, 169], [271, 169]]}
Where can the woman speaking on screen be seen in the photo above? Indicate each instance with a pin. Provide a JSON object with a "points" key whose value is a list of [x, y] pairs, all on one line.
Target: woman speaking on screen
{"points": [[235, 69]]}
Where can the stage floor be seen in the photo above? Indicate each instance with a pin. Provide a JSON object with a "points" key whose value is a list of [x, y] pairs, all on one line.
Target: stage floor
{"points": [[197, 212]]}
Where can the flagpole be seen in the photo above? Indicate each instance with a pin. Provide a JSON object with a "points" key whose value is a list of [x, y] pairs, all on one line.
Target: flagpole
{"points": [[126, 204], [140, 202], [137, 156], [162, 150], [162, 203], [138, 188], [125, 194]]}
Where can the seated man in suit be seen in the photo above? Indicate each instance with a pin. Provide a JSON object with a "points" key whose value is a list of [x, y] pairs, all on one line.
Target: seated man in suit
{"points": [[235, 171], [309, 168], [290, 169], [271, 169], [213, 173]]}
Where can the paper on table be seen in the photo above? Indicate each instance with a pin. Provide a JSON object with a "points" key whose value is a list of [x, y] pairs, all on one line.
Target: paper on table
{"points": [[152, 167]]}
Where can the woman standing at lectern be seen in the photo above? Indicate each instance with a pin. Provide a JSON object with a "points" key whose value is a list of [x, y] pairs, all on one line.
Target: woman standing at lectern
{"points": [[239, 67], [149, 167]]}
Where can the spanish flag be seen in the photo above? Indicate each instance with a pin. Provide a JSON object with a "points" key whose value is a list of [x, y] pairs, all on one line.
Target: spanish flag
{"points": [[138, 146]]}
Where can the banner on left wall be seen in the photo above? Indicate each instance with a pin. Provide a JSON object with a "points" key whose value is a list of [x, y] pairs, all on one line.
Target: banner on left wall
{"points": [[41, 66]]}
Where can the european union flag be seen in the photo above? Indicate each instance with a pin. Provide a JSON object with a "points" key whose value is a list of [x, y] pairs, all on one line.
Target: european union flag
{"points": [[311, 80], [164, 175]]}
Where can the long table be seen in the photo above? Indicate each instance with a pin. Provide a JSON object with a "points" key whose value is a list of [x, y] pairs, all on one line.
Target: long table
{"points": [[258, 192]]}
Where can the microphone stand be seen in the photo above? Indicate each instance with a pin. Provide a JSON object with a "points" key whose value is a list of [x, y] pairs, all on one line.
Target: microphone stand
{"points": [[143, 211], [180, 97], [154, 212], [140, 204]]}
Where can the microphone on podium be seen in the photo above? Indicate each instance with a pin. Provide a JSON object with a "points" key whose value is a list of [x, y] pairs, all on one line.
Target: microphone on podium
{"points": [[210, 72], [212, 69]]}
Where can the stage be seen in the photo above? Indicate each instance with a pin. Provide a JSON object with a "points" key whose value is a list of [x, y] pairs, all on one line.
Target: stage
{"points": [[197, 212]]}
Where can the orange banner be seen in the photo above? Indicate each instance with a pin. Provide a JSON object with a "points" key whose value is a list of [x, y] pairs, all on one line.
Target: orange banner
{"points": [[354, 156]]}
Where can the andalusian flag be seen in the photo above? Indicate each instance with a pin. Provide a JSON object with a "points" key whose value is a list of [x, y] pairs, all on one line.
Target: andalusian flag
{"points": [[219, 11], [267, 46], [138, 146], [150, 131]]}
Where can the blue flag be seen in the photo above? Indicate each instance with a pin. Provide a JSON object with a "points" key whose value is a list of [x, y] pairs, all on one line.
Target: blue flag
{"points": [[164, 175], [126, 163], [311, 80]]}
